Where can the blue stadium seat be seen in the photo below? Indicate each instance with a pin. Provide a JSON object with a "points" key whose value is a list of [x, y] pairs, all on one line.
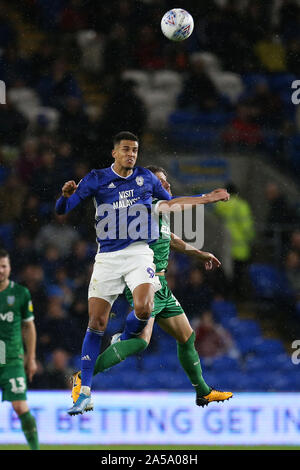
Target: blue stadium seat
{"points": [[281, 81], [7, 235], [250, 80], [282, 362], [167, 361], [269, 347], [229, 381], [223, 308], [198, 119], [246, 344], [225, 363], [268, 282], [108, 381], [244, 327], [254, 364]]}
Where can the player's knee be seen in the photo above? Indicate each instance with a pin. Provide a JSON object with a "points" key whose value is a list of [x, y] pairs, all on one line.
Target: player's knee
{"points": [[20, 407], [143, 309], [97, 323]]}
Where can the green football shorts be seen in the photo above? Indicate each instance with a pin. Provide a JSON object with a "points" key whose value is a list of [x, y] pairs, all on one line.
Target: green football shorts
{"points": [[165, 303], [13, 382]]}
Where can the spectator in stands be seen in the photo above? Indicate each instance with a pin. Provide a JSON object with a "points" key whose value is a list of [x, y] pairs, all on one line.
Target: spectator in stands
{"points": [[196, 294], [199, 92], [118, 113], [67, 284], [5, 167], [29, 159], [57, 372], [13, 124], [58, 85], [14, 67], [42, 60], [79, 312], [295, 241], [73, 123], [56, 329], [64, 162], [73, 17], [81, 255], [32, 276], [147, 54], [292, 270], [118, 50], [23, 252], [48, 14], [271, 53], [59, 233], [12, 195], [51, 262], [44, 181], [31, 218], [212, 340], [293, 56], [289, 300], [8, 31], [243, 132], [238, 219], [288, 19], [281, 217], [224, 30], [267, 106]]}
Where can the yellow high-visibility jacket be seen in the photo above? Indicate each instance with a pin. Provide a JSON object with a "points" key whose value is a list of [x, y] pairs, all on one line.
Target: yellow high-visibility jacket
{"points": [[237, 216]]}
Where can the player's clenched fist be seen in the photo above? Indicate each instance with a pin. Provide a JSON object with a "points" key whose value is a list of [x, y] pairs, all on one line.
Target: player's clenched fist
{"points": [[69, 188], [219, 195]]}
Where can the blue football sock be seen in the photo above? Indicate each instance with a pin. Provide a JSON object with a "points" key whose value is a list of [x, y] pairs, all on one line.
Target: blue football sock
{"points": [[133, 326], [89, 353]]}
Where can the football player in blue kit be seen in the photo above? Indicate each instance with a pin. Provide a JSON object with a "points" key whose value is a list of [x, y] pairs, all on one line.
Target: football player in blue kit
{"points": [[123, 256]]}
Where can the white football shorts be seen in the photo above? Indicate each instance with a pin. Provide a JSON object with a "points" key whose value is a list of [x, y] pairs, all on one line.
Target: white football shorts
{"points": [[112, 271]]}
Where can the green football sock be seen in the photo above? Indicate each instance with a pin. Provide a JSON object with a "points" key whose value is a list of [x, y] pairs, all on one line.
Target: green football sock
{"points": [[117, 352], [29, 429], [189, 359]]}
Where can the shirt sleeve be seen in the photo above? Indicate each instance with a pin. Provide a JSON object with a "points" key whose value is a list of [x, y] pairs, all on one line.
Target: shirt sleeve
{"points": [[86, 188]]}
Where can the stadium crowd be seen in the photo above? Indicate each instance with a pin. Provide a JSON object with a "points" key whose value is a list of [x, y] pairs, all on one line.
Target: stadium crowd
{"points": [[53, 255]]}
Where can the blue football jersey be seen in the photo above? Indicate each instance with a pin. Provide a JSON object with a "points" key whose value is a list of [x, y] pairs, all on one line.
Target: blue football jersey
{"points": [[122, 204]]}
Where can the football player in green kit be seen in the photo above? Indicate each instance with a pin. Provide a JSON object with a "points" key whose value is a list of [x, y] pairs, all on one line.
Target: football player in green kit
{"points": [[16, 325], [167, 311]]}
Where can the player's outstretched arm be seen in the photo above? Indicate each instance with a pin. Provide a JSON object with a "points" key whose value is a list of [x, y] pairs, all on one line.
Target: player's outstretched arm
{"points": [[181, 203], [208, 259]]}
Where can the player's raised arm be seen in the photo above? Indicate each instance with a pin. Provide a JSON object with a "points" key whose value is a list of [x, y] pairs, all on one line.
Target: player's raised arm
{"points": [[180, 246], [69, 188], [181, 203], [73, 194]]}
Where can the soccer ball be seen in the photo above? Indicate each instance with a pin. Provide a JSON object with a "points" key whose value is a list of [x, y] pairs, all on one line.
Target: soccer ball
{"points": [[177, 24]]}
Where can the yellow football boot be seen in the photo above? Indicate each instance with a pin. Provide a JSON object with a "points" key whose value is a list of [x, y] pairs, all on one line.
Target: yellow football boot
{"points": [[213, 395], [76, 385]]}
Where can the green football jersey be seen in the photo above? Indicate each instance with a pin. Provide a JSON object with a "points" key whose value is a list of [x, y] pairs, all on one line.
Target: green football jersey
{"points": [[161, 247], [15, 307]]}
